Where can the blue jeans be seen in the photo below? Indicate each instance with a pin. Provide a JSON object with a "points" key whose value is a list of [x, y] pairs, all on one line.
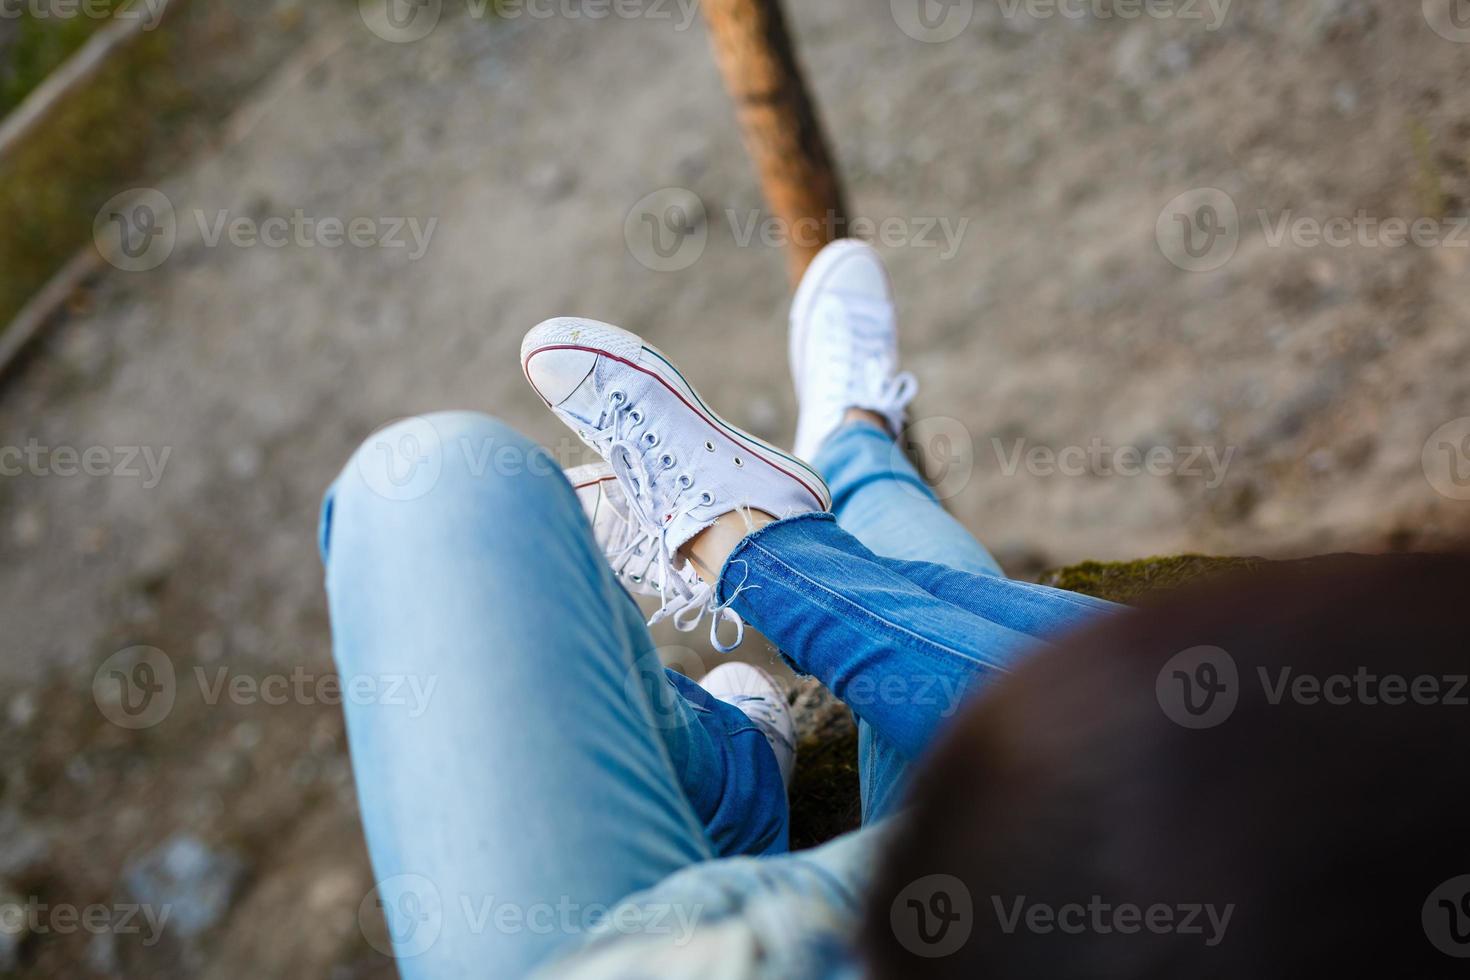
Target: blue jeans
{"points": [[546, 766]]}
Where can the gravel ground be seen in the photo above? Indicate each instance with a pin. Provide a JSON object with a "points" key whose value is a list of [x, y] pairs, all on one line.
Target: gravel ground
{"points": [[1283, 391]]}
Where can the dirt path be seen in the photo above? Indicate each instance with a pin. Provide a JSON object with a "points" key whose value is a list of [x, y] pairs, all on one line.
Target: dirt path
{"points": [[1289, 394]]}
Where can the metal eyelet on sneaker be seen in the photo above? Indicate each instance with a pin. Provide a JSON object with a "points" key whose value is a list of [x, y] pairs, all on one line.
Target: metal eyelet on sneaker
{"points": [[739, 462], [685, 481], [635, 416], [616, 396], [706, 498], [709, 447], [650, 439], [667, 461]]}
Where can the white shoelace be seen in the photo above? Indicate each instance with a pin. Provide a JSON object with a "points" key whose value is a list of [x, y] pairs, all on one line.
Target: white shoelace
{"points": [[890, 397], [684, 597], [870, 386]]}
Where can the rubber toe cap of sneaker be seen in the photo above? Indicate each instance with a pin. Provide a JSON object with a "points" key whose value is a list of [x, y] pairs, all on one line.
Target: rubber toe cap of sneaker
{"points": [[855, 269], [557, 372]]}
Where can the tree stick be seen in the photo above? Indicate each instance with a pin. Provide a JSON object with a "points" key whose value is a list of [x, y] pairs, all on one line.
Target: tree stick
{"points": [[779, 122]]}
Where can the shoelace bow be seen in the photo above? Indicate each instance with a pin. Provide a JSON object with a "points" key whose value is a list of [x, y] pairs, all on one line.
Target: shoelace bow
{"points": [[684, 598], [891, 397]]}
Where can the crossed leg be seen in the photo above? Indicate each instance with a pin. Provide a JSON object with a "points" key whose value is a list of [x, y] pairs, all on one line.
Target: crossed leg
{"points": [[882, 501], [894, 607], [555, 767]]}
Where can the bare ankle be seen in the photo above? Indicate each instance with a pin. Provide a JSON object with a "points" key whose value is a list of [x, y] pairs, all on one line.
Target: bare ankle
{"points": [[863, 415], [709, 549]]}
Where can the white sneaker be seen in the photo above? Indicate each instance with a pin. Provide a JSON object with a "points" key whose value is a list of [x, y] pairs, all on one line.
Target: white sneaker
{"points": [[620, 539], [630, 551], [757, 694], [844, 345], [679, 465]]}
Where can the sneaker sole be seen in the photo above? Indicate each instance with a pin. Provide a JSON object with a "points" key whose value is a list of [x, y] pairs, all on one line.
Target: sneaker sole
{"points": [[613, 342], [589, 475], [594, 475]]}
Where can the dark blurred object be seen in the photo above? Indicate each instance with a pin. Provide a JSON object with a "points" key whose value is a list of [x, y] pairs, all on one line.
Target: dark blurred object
{"points": [[1307, 801]]}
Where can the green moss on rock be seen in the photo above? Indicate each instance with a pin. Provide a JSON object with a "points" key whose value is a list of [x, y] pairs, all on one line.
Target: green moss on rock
{"points": [[33, 47], [89, 148], [1128, 581], [825, 799]]}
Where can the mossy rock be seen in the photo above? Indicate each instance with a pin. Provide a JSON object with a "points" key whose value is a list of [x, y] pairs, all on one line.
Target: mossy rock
{"points": [[1129, 581], [825, 800]]}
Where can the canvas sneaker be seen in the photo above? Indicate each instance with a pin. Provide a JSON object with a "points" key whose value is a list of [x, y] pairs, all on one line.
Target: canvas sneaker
{"points": [[844, 345], [757, 694], [630, 552], [678, 464]]}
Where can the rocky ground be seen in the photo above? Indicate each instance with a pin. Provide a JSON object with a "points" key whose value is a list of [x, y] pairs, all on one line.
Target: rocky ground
{"points": [[1289, 394]]}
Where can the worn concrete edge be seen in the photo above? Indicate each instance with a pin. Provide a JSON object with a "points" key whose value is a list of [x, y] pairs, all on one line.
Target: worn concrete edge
{"points": [[101, 48], [42, 308]]}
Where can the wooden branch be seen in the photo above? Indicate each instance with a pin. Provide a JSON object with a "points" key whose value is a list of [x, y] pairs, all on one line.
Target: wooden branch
{"points": [[779, 122]]}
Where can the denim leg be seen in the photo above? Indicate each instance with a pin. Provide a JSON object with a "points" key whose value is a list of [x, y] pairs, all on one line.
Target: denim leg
{"points": [[880, 499], [552, 766], [903, 643], [790, 916]]}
